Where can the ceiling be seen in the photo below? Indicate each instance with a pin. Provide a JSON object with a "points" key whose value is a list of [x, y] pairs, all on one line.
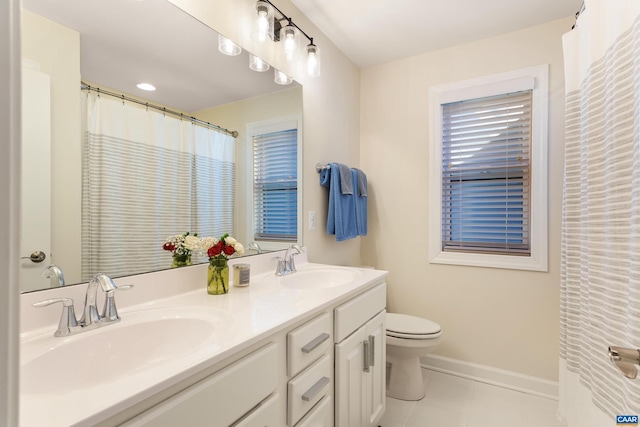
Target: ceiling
{"points": [[372, 32], [125, 42]]}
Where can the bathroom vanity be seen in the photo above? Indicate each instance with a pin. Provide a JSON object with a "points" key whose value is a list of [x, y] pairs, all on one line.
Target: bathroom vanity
{"points": [[304, 349]]}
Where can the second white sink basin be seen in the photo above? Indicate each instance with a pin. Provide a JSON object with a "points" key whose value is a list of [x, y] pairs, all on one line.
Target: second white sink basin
{"points": [[313, 278], [141, 340]]}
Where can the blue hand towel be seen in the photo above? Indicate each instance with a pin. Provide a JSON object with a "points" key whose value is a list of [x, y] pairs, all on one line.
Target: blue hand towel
{"points": [[362, 183], [341, 214], [361, 201], [346, 181]]}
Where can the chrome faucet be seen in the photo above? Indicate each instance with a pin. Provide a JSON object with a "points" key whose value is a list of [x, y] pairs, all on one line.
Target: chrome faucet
{"points": [[90, 313], [256, 246], [287, 264], [69, 324], [54, 273]]}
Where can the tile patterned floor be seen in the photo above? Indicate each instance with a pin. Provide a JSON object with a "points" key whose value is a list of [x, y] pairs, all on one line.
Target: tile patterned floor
{"points": [[452, 401]]}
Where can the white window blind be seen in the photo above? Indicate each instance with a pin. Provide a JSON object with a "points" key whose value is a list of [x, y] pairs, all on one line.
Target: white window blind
{"points": [[486, 174], [275, 186]]}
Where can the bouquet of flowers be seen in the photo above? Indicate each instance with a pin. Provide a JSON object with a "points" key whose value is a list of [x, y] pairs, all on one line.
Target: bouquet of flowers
{"points": [[219, 252], [181, 247], [223, 248]]}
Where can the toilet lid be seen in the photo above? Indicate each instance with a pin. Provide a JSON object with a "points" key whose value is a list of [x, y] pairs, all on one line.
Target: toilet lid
{"points": [[406, 326]]}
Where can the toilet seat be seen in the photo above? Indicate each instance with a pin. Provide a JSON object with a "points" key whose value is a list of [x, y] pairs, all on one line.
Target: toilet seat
{"points": [[411, 327]]}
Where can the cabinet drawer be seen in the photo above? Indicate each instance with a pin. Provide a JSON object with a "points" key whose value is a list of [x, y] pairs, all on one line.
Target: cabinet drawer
{"points": [[320, 416], [307, 343], [355, 313], [263, 415], [220, 399], [308, 388]]}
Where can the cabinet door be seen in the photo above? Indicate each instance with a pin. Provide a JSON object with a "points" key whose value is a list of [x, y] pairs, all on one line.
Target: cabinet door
{"points": [[349, 388], [375, 379]]}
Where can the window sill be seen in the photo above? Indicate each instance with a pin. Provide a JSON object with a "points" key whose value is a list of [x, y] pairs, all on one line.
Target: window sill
{"points": [[529, 263]]}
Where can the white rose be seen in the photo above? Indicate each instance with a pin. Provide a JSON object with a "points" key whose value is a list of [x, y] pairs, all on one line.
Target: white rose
{"points": [[191, 242], [230, 241], [239, 248], [207, 242]]}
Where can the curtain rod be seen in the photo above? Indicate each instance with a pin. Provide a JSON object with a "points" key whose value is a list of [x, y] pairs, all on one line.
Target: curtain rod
{"points": [[85, 86]]}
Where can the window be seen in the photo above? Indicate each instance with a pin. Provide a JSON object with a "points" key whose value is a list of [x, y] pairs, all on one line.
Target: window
{"points": [[275, 184], [488, 172]]}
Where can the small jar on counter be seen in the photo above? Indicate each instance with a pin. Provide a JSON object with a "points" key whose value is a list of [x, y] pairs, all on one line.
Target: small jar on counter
{"points": [[241, 275]]}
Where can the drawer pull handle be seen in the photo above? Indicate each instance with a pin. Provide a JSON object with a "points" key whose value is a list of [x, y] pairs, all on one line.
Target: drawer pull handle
{"points": [[366, 344], [313, 391], [315, 343], [372, 349]]}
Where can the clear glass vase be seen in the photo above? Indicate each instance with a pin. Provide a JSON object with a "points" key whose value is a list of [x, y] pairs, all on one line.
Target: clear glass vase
{"points": [[181, 260], [218, 276]]}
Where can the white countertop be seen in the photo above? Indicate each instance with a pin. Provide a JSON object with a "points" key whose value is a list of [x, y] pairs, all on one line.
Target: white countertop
{"points": [[241, 318]]}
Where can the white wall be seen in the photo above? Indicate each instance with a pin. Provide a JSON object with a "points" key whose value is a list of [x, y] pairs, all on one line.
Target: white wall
{"points": [[9, 209], [501, 318], [62, 64], [331, 102], [236, 116]]}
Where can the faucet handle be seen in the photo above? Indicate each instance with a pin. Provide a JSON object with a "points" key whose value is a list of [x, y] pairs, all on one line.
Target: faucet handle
{"points": [[68, 320], [292, 264], [281, 268], [109, 311]]}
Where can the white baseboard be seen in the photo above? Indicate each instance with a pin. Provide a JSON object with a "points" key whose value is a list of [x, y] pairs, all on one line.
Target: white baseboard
{"points": [[491, 375]]}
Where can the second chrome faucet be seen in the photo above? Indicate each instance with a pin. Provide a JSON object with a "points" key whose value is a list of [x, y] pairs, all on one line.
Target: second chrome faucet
{"points": [[90, 319], [287, 264]]}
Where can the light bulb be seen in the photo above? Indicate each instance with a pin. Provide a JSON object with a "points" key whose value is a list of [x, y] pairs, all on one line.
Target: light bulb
{"points": [[289, 45], [228, 47], [313, 60], [257, 64], [289, 37], [263, 26], [281, 78]]}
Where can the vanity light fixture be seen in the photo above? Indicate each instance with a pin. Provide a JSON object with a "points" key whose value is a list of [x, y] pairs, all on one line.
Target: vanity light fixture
{"points": [[313, 60], [227, 47], [290, 39], [284, 30], [257, 64], [264, 23], [146, 86], [281, 78]]}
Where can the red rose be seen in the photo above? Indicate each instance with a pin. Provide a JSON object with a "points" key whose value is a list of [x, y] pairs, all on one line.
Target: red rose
{"points": [[229, 250], [215, 250], [168, 246]]}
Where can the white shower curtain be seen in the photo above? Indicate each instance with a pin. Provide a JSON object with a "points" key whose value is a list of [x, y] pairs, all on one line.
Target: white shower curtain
{"points": [[147, 176], [600, 278]]}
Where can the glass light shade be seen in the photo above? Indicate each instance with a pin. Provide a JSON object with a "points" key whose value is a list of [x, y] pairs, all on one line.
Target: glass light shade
{"points": [[313, 60], [281, 78], [290, 42], [257, 64], [228, 47], [263, 24]]}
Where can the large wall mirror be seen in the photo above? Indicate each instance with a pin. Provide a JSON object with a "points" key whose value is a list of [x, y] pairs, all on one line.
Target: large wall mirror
{"points": [[114, 45]]}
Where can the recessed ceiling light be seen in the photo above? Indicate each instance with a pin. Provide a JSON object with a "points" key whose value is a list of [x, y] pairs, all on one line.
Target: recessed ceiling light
{"points": [[146, 86]]}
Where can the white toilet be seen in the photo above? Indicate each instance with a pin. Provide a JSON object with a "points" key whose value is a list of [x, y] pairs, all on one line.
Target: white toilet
{"points": [[408, 338]]}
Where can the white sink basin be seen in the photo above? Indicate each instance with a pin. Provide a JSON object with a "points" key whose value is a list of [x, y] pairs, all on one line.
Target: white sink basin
{"points": [[141, 340], [313, 278]]}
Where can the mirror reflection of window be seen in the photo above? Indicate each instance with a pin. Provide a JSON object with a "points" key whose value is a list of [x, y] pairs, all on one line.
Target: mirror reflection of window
{"points": [[275, 183]]}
